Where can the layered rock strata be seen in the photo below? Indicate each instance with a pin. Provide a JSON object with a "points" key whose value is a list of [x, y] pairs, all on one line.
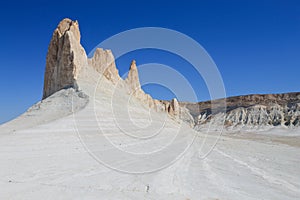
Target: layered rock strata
{"points": [[250, 110]]}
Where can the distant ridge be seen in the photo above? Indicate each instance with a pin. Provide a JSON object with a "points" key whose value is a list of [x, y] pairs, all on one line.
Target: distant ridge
{"points": [[250, 110]]}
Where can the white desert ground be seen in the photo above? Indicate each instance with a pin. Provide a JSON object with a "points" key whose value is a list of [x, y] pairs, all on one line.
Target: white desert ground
{"points": [[46, 154], [100, 142]]}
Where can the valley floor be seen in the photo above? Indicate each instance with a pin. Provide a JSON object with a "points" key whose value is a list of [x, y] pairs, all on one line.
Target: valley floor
{"points": [[50, 162]]}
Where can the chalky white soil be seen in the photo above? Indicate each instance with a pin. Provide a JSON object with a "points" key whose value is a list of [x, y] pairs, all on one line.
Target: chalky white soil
{"points": [[50, 153]]}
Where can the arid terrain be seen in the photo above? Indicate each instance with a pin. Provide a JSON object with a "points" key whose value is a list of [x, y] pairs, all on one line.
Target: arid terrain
{"points": [[97, 136]]}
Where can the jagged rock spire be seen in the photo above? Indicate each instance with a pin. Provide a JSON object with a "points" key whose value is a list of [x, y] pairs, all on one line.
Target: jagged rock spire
{"points": [[67, 66], [132, 79], [65, 58], [103, 62]]}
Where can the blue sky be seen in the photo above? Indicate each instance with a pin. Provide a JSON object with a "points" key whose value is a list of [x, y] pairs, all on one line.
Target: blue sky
{"points": [[255, 44]]}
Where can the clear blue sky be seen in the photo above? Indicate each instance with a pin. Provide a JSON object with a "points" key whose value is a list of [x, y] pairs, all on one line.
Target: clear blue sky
{"points": [[255, 44]]}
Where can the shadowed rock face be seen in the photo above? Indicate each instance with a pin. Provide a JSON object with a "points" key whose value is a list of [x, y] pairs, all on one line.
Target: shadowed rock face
{"points": [[250, 110]]}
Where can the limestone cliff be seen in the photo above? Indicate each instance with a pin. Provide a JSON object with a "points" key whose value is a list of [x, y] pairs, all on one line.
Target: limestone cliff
{"points": [[67, 61]]}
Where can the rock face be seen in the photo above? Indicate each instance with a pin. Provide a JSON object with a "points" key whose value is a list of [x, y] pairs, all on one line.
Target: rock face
{"points": [[103, 62], [172, 107], [132, 79], [132, 83], [251, 110], [65, 58], [67, 61], [177, 111], [260, 115]]}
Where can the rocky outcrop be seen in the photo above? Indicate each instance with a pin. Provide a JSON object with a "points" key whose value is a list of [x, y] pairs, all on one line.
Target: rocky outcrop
{"points": [[103, 62], [67, 61], [132, 80], [65, 58], [250, 110], [260, 115], [133, 86], [175, 110], [172, 107]]}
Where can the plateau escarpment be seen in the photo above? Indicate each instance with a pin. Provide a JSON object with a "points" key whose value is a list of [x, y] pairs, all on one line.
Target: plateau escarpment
{"points": [[249, 110]]}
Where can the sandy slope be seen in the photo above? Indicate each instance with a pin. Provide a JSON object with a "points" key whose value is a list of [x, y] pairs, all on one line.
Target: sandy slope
{"points": [[50, 160]]}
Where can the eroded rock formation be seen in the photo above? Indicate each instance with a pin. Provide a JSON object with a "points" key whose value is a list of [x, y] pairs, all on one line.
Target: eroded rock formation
{"points": [[172, 107], [250, 110], [132, 79], [103, 62], [67, 61], [65, 58]]}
